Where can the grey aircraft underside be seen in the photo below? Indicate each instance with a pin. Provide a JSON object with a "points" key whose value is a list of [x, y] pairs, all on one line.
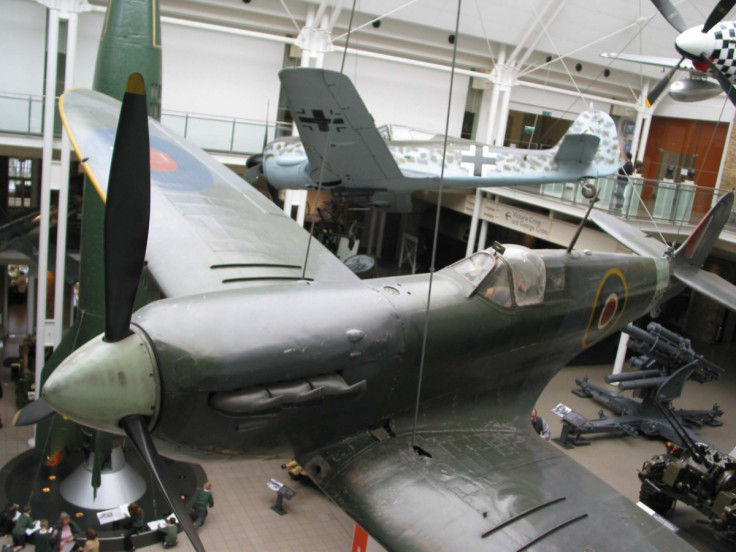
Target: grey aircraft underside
{"points": [[340, 146]]}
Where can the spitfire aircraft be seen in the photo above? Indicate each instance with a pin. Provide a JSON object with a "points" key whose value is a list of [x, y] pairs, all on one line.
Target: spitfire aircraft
{"points": [[340, 146], [258, 349], [707, 50]]}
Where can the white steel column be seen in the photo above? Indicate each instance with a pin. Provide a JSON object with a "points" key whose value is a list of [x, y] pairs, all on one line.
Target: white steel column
{"points": [[52, 38], [472, 233], [63, 208], [642, 114], [618, 364], [57, 10], [483, 237], [644, 135]]}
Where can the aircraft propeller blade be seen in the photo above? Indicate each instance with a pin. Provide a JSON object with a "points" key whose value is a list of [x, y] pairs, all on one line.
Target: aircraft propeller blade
{"points": [[723, 80], [661, 85], [135, 429], [718, 13], [252, 174], [32, 413], [127, 211], [670, 13]]}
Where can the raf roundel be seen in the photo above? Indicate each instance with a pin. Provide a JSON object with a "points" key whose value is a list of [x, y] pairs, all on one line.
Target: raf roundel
{"points": [[608, 306], [609, 310], [173, 168]]}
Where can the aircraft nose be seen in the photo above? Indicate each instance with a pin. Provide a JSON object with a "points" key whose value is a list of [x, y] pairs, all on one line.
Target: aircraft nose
{"points": [[694, 42], [101, 383]]}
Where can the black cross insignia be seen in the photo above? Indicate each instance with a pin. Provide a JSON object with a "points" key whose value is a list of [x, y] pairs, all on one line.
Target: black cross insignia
{"points": [[478, 160], [323, 123]]}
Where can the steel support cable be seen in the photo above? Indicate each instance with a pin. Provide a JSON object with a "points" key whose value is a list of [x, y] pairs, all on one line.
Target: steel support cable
{"points": [[436, 230], [325, 149]]}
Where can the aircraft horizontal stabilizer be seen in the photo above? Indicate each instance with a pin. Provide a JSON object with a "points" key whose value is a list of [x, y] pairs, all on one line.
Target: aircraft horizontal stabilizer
{"points": [[689, 257], [711, 285], [627, 235]]}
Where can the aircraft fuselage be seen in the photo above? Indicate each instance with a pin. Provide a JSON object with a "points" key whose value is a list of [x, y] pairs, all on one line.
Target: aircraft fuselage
{"points": [[238, 370]]}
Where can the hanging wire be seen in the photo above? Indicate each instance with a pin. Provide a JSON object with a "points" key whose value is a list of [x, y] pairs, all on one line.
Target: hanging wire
{"points": [[325, 149], [288, 12], [436, 228], [582, 98], [485, 33]]}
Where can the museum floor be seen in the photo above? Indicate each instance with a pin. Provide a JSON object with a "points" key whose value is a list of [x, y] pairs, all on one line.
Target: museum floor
{"points": [[242, 519]]}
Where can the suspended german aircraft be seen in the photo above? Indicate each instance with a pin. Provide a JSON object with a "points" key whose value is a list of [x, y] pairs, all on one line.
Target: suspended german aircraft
{"points": [[707, 50], [340, 146], [260, 349]]}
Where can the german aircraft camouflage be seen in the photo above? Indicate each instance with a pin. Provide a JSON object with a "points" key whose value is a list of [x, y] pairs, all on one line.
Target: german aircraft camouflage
{"points": [[340, 146]]}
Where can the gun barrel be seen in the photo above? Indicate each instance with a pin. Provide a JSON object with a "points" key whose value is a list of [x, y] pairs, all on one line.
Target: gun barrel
{"points": [[658, 329], [642, 383], [629, 376], [657, 343]]}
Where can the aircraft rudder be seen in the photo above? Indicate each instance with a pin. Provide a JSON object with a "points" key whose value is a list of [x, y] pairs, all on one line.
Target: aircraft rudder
{"points": [[697, 246], [598, 124]]}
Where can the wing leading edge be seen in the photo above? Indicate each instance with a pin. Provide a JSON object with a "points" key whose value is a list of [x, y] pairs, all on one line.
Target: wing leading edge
{"points": [[498, 489], [210, 230]]}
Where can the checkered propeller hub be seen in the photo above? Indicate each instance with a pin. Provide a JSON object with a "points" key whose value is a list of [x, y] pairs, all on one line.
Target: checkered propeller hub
{"points": [[724, 54]]}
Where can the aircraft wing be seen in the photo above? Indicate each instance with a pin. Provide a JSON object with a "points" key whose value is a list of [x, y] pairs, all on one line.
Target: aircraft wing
{"points": [[331, 117], [656, 61], [499, 488], [210, 230], [627, 235]]}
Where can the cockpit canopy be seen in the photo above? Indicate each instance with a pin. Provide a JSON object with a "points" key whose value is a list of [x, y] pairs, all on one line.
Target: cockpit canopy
{"points": [[517, 276]]}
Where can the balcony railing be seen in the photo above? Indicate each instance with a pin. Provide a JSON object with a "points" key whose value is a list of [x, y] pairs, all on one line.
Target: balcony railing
{"points": [[23, 114], [665, 201]]}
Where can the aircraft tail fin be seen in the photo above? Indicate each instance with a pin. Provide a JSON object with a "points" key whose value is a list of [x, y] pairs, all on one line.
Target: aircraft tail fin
{"points": [[592, 138], [696, 247], [691, 255], [339, 135]]}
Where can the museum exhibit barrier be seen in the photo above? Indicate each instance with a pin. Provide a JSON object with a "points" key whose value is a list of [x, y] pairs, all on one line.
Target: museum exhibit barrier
{"points": [[223, 134], [21, 114], [666, 200]]}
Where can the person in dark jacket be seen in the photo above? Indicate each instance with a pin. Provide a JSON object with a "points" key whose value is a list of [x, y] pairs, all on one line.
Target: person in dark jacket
{"points": [[170, 531], [24, 521], [134, 525], [202, 501], [65, 532], [622, 179], [42, 538]]}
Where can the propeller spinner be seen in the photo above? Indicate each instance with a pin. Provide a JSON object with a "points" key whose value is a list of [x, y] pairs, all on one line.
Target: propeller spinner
{"points": [[696, 44], [111, 383]]}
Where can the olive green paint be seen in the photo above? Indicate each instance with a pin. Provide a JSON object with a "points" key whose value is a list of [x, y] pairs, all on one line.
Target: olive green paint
{"points": [[130, 42]]}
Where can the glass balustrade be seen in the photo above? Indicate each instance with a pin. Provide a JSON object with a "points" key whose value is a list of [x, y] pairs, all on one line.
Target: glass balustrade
{"points": [[677, 203], [23, 114]]}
